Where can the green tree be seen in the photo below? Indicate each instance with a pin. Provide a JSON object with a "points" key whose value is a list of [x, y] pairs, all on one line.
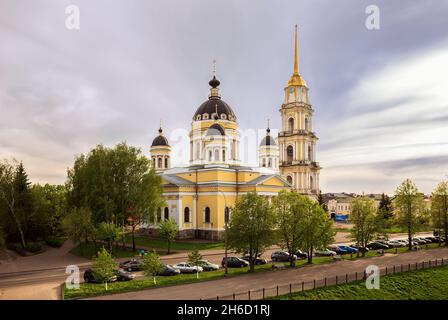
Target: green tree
{"points": [[152, 265], [109, 233], [118, 185], [194, 258], [316, 228], [439, 208], [364, 219], [385, 209], [79, 227], [2, 239], [321, 201], [103, 267], [168, 230], [11, 200], [289, 209], [408, 202], [251, 228]]}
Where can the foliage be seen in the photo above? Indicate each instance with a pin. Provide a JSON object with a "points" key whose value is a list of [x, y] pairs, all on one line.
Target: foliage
{"points": [[103, 267], [385, 209], [178, 245], [321, 201], [168, 230], [251, 228], [109, 233], [316, 228], [55, 242], [439, 208], [2, 239], [118, 185], [194, 257], [290, 209], [409, 205], [34, 247], [78, 226], [152, 265], [365, 221]]}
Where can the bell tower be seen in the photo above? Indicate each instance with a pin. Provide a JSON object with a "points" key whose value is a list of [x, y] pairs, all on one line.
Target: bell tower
{"points": [[297, 141]]}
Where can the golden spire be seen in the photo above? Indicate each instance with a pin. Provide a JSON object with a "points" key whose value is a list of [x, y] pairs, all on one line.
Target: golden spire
{"points": [[296, 79]]}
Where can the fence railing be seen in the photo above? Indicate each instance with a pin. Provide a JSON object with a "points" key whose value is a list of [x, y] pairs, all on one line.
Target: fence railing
{"points": [[291, 288]]}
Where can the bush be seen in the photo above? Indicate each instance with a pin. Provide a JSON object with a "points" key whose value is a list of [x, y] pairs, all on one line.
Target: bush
{"points": [[55, 242], [2, 239], [34, 247]]}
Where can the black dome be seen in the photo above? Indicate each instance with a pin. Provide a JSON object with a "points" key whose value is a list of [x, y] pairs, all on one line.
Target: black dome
{"points": [[268, 141], [212, 105], [160, 140], [215, 130]]}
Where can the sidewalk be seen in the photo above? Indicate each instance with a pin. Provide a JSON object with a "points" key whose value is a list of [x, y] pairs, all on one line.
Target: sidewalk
{"points": [[226, 287]]}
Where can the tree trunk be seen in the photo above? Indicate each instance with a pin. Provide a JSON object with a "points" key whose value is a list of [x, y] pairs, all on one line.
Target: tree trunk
{"points": [[133, 238], [310, 256], [251, 264], [18, 224]]}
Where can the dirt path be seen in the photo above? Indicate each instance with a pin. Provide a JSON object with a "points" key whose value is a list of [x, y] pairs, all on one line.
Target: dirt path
{"points": [[224, 287]]}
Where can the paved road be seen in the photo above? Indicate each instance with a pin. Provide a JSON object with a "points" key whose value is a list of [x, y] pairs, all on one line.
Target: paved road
{"points": [[226, 287]]}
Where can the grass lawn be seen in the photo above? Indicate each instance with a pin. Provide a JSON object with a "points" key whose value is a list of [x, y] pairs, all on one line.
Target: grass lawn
{"points": [[176, 245], [426, 284], [90, 289], [88, 251]]}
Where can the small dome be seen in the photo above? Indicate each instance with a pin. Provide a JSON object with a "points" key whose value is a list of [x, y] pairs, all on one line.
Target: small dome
{"points": [[160, 140], [215, 130], [268, 141]]}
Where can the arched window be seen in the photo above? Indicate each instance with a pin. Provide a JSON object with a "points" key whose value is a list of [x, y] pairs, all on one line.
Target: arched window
{"points": [[210, 154], [291, 125], [289, 179], [166, 163], [166, 213], [187, 214], [159, 165], [154, 162], [289, 154], [223, 155], [226, 215], [159, 215], [216, 155], [270, 163], [263, 162], [310, 153], [311, 183], [306, 123], [207, 215]]}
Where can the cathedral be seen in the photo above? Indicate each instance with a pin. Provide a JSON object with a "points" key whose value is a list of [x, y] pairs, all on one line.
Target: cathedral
{"points": [[199, 197]]}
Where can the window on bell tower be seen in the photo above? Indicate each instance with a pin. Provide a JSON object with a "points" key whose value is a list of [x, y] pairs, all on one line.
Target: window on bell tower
{"points": [[291, 125]]}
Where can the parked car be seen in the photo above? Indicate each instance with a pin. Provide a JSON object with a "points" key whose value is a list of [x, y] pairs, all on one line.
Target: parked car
{"points": [[123, 275], [338, 250], [349, 249], [169, 270], [257, 261], [208, 266], [90, 277], [360, 249], [301, 255], [324, 253], [234, 262], [187, 268], [432, 239], [395, 244], [418, 241], [377, 246], [131, 265], [279, 256]]}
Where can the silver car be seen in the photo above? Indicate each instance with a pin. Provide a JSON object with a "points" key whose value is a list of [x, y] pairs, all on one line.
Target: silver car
{"points": [[187, 268], [324, 253]]}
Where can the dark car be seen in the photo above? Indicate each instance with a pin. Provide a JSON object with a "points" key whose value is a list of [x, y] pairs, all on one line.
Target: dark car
{"points": [[282, 256], [90, 277], [301, 255], [123, 275], [169, 271], [377, 246], [338, 250], [131, 265], [257, 260], [360, 249], [234, 262]]}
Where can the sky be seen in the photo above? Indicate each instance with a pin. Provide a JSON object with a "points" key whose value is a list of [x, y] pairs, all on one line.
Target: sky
{"points": [[380, 96]]}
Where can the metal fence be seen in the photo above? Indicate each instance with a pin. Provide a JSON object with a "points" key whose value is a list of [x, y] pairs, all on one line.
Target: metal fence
{"points": [[291, 288]]}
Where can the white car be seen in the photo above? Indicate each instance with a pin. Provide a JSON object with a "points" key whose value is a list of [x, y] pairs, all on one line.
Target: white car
{"points": [[324, 253], [187, 268]]}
